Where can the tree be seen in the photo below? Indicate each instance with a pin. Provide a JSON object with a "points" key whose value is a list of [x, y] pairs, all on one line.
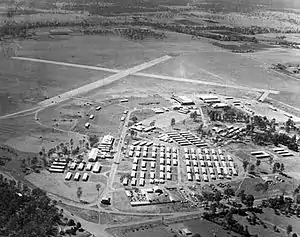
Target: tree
{"points": [[200, 129], [34, 161], [75, 151], [26, 215], [78, 225], [152, 123], [98, 186], [249, 201], [71, 222], [37, 192], [218, 196], [196, 235], [71, 142], [173, 122], [229, 192], [133, 133], [65, 150], [289, 229], [242, 195], [193, 115], [93, 139], [134, 118], [79, 192], [281, 167], [271, 160], [258, 162], [245, 165], [251, 168]]}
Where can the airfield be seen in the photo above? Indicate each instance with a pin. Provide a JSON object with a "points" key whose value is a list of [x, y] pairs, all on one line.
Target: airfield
{"points": [[61, 81]]}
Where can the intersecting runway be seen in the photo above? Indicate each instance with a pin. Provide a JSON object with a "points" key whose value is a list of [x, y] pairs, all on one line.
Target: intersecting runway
{"points": [[152, 75], [101, 82]]}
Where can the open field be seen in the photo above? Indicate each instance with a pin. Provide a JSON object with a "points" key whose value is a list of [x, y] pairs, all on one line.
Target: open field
{"points": [[271, 219], [46, 80], [292, 165], [204, 227], [219, 66], [103, 51], [55, 183], [164, 120], [110, 218], [249, 185], [88, 215], [277, 55], [64, 116], [281, 220], [106, 121], [33, 82], [26, 135]]}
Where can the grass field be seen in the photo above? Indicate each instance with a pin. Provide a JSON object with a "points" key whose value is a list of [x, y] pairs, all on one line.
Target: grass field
{"points": [[281, 220], [88, 215], [207, 228], [164, 120], [33, 82], [110, 219], [292, 166], [228, 67], [115, 52], [55, 183], [38, 80], [105, 51]]}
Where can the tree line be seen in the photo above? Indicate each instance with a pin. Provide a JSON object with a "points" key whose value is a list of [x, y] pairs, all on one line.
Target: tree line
{"points": [[21, 28], [26, 216], [228, 115]]}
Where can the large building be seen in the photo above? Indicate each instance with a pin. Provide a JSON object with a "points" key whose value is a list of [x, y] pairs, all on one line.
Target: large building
{"points": [[183, 100], [209, 98], [93, 155], [108, 140]]}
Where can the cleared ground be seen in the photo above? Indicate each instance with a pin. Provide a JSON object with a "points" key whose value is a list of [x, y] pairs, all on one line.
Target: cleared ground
{"points": [[33, 82], [164, 120], [55, 183]]}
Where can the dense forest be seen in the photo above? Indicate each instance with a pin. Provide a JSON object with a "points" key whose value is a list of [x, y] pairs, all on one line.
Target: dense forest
{"points": [[22, 215]]}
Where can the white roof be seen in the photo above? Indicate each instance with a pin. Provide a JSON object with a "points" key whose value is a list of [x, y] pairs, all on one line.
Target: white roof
{"points": [[220, 105], [107, 139], [93, 153], [185, 99], [208, 97]]}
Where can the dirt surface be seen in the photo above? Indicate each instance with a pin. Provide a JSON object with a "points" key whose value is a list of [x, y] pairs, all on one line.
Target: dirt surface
{"points": [[55, 183], [88, 215]]}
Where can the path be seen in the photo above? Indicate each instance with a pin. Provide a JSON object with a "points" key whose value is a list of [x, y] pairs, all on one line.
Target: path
{"points": [[21, 113], [67, 64], [117, 158], [204, 120], [287, 105], [205, 82], [51, 127]]}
